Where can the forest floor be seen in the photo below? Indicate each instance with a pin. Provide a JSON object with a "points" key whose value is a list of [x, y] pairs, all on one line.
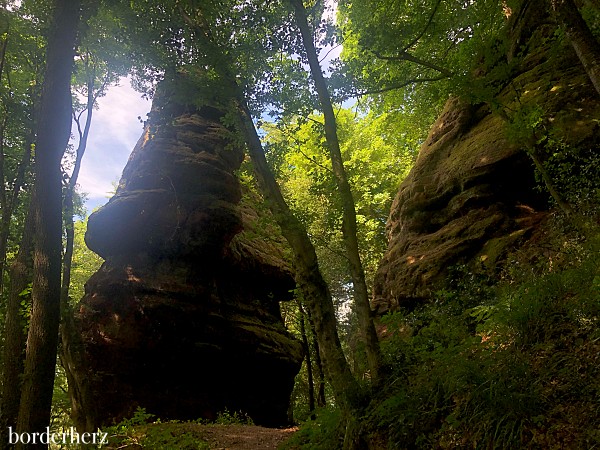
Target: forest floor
{"points": [[188, 435], [244, 437]]}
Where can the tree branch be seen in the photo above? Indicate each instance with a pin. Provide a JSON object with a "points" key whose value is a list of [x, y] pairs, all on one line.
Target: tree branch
{"points": [[397, 86], [330, 50], [420, 35], [405, 56]]}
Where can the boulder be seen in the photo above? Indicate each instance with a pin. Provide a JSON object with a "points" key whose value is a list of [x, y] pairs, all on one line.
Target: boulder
{"points": [[471, 196], [183, 317]]}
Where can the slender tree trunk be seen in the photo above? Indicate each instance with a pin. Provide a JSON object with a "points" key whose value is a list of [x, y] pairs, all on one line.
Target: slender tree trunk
{"points": [[321, 401], [9, 205], [581, 38], [309, 369], [309, 278], [564, 206], [71, 343], [349, 228], [5, 220], [4, 33], [53, 130], [69, 207], [15, 332]]}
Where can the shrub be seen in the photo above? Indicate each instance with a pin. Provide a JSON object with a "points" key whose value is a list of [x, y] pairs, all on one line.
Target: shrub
{"points": [[515, 367], [139, 432]]}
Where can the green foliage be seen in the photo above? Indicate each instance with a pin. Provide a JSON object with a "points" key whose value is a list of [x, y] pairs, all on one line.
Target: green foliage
{"points": [[572, 171], [576, 173], [376, 159], [408, 56], [227, 417], [60, 419], [139, 432], [321, 433], [516, 369], [85, 262]]}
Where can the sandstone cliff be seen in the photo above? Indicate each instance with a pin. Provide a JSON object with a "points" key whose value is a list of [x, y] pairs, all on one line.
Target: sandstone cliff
{"points": [[183, 317], [470, 197]]}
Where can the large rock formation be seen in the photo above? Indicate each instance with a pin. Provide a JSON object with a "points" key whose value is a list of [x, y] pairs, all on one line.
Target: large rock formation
{"points": [[183, 317], [470, 197]]}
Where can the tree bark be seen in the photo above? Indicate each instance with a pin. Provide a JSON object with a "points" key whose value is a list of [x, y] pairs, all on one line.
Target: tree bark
{"points": [[313, 287], [321, 401], [309, 369], [580, 37], [15, 332], [9, 204], [349, 227], [53, 130]]}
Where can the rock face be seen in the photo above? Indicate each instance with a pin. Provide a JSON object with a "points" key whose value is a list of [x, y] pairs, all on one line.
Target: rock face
{"points": [[183, 317], [470, 196]]}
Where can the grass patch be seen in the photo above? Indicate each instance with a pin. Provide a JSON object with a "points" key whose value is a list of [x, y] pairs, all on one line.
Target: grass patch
{"points": [[141, 432]]}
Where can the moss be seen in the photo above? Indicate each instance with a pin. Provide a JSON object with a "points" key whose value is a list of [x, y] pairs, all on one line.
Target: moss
{"points": [[496, 248], [471, 167]]}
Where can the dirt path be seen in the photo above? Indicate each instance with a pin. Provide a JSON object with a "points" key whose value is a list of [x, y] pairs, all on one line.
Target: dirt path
{"points": [[244, 437]]}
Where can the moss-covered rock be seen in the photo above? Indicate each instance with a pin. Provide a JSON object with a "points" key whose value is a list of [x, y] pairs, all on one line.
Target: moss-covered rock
{"points": [[471, 195]]}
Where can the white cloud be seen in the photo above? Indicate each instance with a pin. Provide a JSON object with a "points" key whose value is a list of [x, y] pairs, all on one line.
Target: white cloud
{"points": [[115, 130]]}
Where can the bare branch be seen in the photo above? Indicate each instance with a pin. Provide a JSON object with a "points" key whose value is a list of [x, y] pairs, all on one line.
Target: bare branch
{"points": [[397, 86], [315, 121], [330, 50], [420, 35], [405, 56]]}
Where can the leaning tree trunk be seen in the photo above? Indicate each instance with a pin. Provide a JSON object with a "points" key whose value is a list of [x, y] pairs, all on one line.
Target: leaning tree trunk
{"points": [[53, 130], [349, 227], [315, 291], [581, 38], [69, 207]]}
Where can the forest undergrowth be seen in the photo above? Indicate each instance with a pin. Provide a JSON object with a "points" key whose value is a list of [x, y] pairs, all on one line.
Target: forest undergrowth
{"points": [[488, 364]]}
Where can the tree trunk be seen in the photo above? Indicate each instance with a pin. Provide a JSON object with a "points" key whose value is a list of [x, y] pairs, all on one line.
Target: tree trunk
{"points": [[4, 33], [6, 214], [321, 401], [564, 206], [70, 192], [15, 332], [53, 130], [9, 205], [580, 37], [71, 343], [309, 370], [349, 227], [315, 291]]}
